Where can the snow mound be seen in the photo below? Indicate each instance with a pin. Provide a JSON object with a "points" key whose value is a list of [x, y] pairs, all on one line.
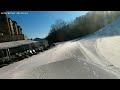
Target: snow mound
{"points": [[112, 29], [103, 47]]}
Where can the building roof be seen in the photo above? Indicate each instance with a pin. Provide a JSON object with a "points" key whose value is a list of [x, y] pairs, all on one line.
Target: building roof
{"points": [[6, 45], [14, 22]]}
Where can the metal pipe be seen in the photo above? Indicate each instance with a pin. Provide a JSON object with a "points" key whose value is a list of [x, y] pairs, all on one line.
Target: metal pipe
{"points": [[7, 54]]}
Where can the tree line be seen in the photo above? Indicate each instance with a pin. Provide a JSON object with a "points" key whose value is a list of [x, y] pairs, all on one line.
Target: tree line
{"points": [[81, 26]]}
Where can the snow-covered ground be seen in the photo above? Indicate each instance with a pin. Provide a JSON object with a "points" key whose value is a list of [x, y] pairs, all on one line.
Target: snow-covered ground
{"points": [[94, 57]]}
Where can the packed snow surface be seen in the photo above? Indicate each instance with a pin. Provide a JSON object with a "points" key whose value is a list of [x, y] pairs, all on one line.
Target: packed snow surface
{"points": [[95, 56]]}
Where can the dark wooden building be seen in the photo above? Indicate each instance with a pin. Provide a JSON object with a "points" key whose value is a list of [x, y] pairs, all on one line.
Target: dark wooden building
{"points": [[9, 30]]}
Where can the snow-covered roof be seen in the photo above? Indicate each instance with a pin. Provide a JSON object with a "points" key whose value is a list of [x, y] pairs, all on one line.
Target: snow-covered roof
{"points": [[5, 45]]}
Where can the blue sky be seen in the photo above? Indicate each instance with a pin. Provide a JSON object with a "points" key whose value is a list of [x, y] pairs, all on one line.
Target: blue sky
{"points": [[38, 23]]}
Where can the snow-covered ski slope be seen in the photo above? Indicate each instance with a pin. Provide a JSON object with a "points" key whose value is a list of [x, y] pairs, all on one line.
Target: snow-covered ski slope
{"points": [[96, 56]]}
